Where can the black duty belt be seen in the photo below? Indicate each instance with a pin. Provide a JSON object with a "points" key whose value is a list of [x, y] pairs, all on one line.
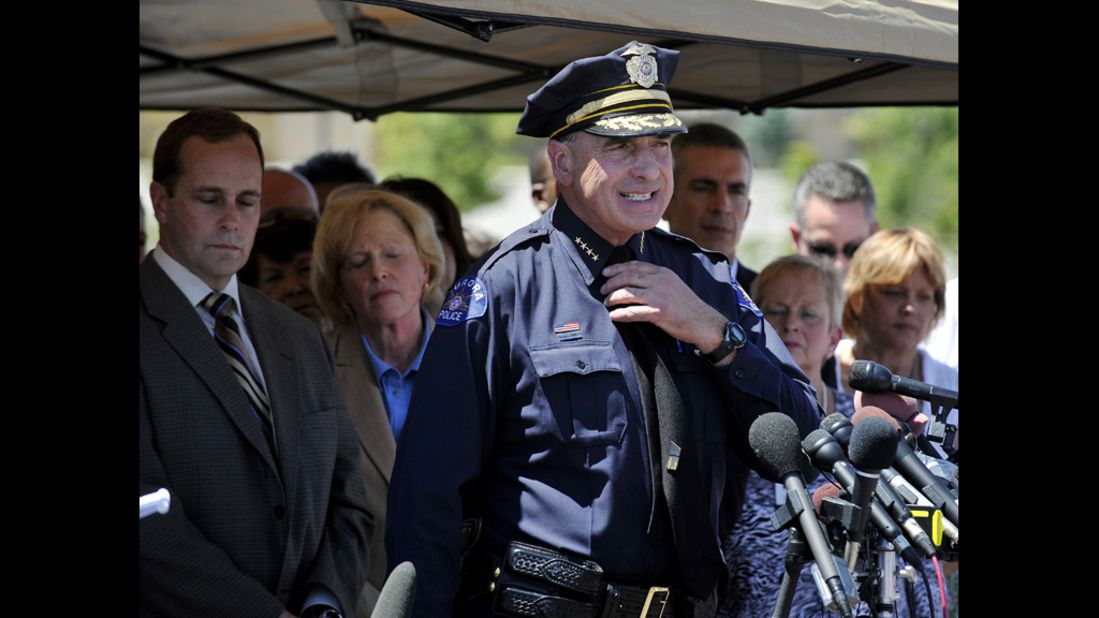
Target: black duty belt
{"points": [[542, 583]]}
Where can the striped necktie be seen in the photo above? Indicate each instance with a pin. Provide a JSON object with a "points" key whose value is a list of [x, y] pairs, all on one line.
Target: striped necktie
{"points": [[227, 335]]}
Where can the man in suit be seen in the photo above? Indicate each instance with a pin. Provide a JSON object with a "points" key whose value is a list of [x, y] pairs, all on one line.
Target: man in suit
{"points": [[710, 204], [241, 417]]}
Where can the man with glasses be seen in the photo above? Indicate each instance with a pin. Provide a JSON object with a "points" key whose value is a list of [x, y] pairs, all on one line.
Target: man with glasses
{"points": [[834, 212]]}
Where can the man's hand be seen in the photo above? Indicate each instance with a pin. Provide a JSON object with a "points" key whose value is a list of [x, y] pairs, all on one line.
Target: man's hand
{"points": [[286, 614], [656, 294]]}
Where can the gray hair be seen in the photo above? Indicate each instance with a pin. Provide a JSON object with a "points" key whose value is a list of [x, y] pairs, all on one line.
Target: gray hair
{"points": [[837, 181]]}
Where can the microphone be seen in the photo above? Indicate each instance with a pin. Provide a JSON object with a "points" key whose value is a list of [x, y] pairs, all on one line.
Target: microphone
{"points": [[870, 377], [905, 491], [840, 427], [878, 517], [823, 492], [397, 594], [873, 446], [912, 469], [827, 454], [774, 440], [157, 502]]}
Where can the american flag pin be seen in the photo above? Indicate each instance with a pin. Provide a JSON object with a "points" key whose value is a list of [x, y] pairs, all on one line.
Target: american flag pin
{"points": [[568, 330]]}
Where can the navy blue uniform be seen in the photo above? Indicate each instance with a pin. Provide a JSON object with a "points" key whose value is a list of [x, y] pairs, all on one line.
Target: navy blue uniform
{"points": [[527, 410]]}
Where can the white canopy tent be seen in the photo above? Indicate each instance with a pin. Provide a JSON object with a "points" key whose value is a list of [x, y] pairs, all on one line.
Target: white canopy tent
{"points": [[376, 56]]}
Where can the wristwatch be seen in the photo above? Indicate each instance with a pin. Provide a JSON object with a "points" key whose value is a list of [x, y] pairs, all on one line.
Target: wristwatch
{"points": [[733, 339]]}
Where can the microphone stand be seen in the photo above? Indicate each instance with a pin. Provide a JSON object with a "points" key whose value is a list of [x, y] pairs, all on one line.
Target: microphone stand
{"points": [[883, 588], [939, 431], [797, 555]]}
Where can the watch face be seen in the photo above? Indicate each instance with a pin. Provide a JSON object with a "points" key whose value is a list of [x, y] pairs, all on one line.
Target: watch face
{"points": [[737, 334]]}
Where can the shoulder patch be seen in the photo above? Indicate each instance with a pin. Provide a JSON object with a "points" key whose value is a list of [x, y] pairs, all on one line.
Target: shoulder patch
{"points": [[744, 300], [468, 299]]}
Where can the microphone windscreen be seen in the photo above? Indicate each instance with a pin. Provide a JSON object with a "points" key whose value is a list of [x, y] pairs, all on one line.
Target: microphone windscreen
{"points": [[870, 377], [396, 597], [834, 420], [868, 412], [873, 444], [815, 438], [824, 491], [774, 440]]}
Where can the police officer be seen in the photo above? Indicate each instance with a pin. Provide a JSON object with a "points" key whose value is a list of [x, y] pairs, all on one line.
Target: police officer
{"points": [[584, 381]]}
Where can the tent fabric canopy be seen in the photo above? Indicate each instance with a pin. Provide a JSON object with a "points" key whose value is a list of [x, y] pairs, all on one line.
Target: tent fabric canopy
{"points": [[376, 57]]}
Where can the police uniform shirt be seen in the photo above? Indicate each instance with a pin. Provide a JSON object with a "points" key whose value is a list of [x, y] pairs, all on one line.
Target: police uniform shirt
{"points": [[527, 410]]}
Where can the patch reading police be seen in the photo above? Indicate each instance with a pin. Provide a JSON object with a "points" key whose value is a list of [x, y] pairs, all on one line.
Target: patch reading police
{"points": [[468, 299], [745, 301]]}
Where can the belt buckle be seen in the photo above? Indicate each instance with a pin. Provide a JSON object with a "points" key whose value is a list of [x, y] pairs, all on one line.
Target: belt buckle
{"points": [[654, 592]]}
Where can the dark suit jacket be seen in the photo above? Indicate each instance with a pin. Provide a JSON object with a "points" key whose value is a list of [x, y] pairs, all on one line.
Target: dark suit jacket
{"points": [[246, 534]]}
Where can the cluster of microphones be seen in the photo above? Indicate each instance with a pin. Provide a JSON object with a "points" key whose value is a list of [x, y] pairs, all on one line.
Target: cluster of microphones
{"points": [[885, 498]]}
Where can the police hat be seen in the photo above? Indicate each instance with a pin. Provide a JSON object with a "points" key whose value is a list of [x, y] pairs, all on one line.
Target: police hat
{"points": [[621, 94]]}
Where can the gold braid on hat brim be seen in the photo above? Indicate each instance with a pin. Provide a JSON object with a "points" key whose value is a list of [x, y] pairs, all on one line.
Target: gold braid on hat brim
{"points": [[618, 102]]}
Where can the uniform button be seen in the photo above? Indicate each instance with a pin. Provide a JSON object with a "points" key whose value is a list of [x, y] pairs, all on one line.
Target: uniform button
{"points": [[279, 512], [740, 373], [581, 364]]}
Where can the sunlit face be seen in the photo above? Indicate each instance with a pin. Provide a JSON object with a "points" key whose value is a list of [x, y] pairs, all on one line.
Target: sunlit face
{"points": [[619, 186], [834, 230], [384, 276], [897, 316], [288, 283], [210, 222], [710, 204], [796, 305]]}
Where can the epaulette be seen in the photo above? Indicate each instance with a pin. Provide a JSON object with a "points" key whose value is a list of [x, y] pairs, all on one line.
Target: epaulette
{"points": [[534, 231], [716, 256]]}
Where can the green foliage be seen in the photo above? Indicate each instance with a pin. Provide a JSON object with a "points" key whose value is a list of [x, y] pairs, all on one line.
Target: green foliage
{"points": [[911, 155], [459, 152], [767, 136], [799, 156]]}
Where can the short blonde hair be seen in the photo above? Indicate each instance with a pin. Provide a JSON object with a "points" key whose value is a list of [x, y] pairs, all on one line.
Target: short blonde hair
{"points": [[346, 207], [888, 258], [825, 273]]}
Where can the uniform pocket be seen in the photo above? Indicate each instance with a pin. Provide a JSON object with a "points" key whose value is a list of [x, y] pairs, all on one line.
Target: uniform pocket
{"points": [[584, 392]]}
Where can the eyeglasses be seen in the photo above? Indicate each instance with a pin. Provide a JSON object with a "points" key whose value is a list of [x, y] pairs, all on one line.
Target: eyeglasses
{"points": [[830, 250]]}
